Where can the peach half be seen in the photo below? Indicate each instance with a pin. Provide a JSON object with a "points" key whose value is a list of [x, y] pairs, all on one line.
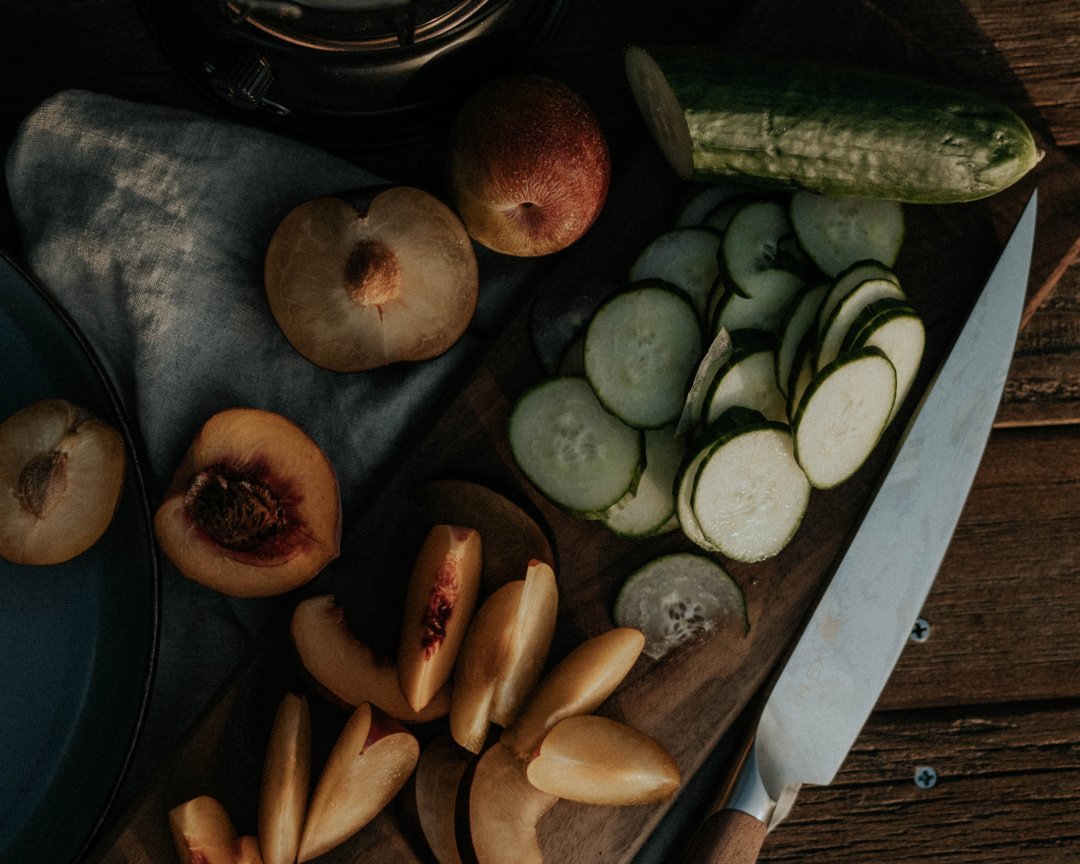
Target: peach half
{"points": [[202, 832], [438, 777], [61, 478], [503, 655], [504, 808], [253, 509], [578, 684], [439, 603], [370, 278], [371, 760], [347, 670], [595, 760], [283, 790]]}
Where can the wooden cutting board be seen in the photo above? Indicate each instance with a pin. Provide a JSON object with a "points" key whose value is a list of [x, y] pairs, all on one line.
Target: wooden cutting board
{"points": [[687, 701]]}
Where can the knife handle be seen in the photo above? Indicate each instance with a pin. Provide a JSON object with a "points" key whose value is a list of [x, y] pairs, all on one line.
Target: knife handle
{"points": [[727, 837]]}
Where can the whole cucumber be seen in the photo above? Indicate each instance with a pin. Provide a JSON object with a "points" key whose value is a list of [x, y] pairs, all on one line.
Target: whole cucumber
{"points": [[838, 131]]}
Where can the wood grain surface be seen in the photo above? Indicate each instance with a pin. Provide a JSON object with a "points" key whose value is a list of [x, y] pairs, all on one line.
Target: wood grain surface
{"points": [[990, 701]]}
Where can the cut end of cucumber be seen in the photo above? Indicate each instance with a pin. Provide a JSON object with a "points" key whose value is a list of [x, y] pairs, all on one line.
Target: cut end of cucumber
{"points": [[678, 599], [660, 109]]}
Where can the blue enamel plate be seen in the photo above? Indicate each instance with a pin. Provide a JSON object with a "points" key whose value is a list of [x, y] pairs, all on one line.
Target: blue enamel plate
{"points": [[78, 639]]}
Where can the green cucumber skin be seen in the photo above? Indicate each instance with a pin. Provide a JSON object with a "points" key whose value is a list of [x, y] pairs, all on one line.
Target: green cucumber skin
{"points": [[841, 132]]}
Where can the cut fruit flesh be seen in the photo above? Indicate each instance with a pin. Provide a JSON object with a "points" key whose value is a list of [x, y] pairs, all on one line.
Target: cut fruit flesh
{"points": [[578, 684], [283, 789], [346, 669], [503, 654], [438, 776], [439, 603], [356, 285], [202, 832], [596, 760], [61, 479], [369, 763], [247, 463]]}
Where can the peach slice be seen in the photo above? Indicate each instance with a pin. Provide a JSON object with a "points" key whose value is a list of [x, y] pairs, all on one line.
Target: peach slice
{"points": [[203, 832], [503, 654], [442, 592], [438, 776], [595, 760], [367, 766], [512, 538], [61, 478], [283, 791], [504, 808], [347, 670], [578, 684], [248, 851], [372, 277], [253, 509]]}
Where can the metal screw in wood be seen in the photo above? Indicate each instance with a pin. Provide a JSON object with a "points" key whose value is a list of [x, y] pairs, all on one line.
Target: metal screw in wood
{"points": [[925, 777], [921, 631]]}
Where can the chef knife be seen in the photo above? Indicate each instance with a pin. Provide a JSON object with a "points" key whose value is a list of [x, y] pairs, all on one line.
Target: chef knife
{"points": [[834, 674]]}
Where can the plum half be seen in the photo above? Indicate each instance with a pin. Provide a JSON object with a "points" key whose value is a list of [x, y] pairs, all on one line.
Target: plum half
{"points": [[253, 510], [61, 478], [370, 278]]}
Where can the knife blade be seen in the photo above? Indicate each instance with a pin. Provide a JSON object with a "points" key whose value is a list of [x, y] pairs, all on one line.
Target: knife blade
{"points": [[840, 663]]}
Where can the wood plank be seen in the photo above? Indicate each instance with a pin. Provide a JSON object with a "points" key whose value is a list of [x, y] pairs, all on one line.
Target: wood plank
{"points": [[1004, 607], [1044, 381], [1007, 791]]}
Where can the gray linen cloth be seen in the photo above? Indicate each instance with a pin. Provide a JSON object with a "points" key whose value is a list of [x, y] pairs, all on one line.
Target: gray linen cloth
{"points": [[149, 225]]}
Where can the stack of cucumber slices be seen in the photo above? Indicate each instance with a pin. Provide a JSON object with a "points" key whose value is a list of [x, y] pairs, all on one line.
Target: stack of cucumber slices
{"points": [[758, 351]]}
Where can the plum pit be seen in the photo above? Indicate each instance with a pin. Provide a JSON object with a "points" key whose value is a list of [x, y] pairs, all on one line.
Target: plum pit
{"points": [[372, 274]]}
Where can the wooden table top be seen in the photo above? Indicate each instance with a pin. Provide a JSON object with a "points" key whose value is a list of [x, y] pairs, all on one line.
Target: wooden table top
{"points": [[990, 701]]}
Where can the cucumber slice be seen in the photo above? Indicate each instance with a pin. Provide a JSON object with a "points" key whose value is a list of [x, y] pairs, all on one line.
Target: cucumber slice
{"points": [[685, 257], [847, 311], [899, 332], [842, 414], [757, 250], [747, 379], [648, 510], [798, 319], [716, 355], [572, 362], [845, 282], [763, 311], [641, 348], [720, 216], [837, 232], [677, 599], [684, 490], [570, 448], [802, 371], [749, 494], [558, 317], [868, 314], [703, 202]]}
